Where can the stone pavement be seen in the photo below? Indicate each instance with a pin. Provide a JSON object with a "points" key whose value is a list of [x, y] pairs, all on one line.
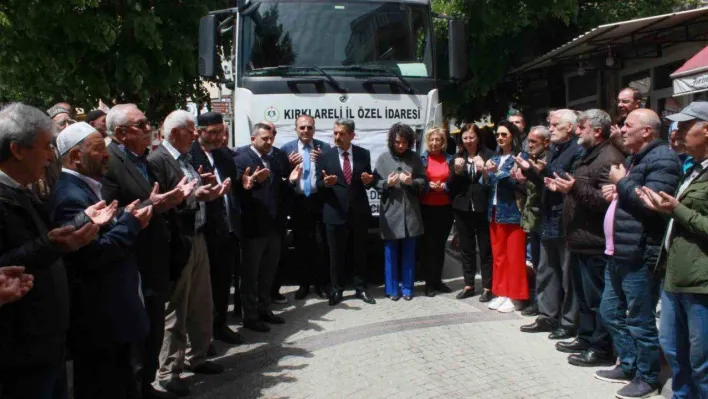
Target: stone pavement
{"points": [[427, 348]]}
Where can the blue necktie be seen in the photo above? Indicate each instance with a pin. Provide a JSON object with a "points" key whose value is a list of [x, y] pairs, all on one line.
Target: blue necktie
{"points": [[306, 170]]}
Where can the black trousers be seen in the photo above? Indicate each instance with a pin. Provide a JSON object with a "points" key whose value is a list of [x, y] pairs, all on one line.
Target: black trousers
{"points": [[347, 251], [437, 221], [223, 252], [146, 353], [473, 232], [47, 382], [589, 283], [103, 371], [280, 270], [260, 262], [310, 242]]}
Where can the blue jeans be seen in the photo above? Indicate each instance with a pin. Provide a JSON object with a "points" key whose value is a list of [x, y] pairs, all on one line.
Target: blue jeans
{"points": [[628, 309], [392, 248], [589, 282], [684, 338]]}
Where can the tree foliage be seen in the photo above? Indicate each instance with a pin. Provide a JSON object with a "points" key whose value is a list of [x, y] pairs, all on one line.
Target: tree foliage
{"points": [[141, 51], [506, 33]]}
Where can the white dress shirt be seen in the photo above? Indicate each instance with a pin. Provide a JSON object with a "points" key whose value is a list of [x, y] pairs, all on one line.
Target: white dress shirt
{"points": [[351, 158], [263, 159], [9, 181]]}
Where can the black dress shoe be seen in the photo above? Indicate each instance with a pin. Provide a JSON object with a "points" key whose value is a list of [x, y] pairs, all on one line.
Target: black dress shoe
{"points": [[207, 368], [430, 291], [321, 292], [574, 346], [408, 297], [257, 326], [531, 310], [335, 297], [272, 319], [364, 296], [394, 297], [562, 333], [224, 334], [591, 358], [486, 296], [442, 287], [302, 292], [465, 294], [537, 326], [175, 386]]}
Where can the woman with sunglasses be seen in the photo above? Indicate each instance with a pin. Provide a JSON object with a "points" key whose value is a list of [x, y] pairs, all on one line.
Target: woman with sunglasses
{"points": [[509, 281], [469, 190]]}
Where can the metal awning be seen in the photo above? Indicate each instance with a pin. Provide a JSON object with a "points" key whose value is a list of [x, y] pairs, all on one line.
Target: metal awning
{"points": [[692, 77], [658, 30]]}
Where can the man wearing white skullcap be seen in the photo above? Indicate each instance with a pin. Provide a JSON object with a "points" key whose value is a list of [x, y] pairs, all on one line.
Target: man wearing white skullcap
{"points": [[107, 307]]}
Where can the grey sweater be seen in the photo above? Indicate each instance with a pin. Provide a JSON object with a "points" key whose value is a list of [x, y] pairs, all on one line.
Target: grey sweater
{"points": [[399, 213]]}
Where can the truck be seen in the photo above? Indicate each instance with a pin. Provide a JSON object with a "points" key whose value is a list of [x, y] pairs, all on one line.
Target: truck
{"points": [[374, 62]]}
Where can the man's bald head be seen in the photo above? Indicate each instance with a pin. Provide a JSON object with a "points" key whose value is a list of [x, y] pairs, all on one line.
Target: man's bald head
{"points": [[641, 127], [305, 128]]}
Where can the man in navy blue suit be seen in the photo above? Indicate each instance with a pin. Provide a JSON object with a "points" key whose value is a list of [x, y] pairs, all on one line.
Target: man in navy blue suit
{"points": [[307, 200], [107, 312], [345, 174], [260, 193]]}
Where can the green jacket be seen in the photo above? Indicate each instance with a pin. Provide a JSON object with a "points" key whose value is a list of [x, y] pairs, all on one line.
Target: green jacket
{"points": [[686, 262], [531, 213]]}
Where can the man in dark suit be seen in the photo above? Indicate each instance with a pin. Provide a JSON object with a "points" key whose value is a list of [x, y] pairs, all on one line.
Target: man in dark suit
{"points": [[260, 192], [32, 344], [107, 312], [307, 201], [223, 220], [128, 179], [344, 178], [189, 309], [281, 158]]}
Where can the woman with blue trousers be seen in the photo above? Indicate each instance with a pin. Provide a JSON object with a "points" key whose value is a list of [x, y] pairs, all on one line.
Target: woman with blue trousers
{"points": [[400, 179]]}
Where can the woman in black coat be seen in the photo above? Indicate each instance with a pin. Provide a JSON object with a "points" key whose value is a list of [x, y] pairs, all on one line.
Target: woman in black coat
{"points": [[469, 190]]}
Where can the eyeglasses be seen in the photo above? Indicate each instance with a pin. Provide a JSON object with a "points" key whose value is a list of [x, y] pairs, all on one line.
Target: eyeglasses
{"points": [[306, 127], [142, 125]]}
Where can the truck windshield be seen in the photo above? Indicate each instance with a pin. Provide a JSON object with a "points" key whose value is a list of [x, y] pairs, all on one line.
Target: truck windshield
{"points": [[335, 36]]}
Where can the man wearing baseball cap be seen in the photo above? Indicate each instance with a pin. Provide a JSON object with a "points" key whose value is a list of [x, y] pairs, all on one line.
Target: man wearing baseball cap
{"points": [[683, 332]]}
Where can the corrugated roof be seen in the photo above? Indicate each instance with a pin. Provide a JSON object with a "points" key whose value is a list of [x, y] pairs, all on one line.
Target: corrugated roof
{"points": [[697, 63], [614, 34]]}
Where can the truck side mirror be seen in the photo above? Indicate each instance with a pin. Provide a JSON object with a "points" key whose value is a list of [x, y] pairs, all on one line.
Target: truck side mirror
{"points": [[457, 48], [208, 59]]}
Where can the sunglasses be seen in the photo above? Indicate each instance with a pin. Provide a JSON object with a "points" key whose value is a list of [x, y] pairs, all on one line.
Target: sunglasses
{"points": [[501, 134]]}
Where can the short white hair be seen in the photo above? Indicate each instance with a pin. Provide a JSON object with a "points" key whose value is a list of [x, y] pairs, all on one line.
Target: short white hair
{"points": [[117, 117], [566, 116], [175, 120]]}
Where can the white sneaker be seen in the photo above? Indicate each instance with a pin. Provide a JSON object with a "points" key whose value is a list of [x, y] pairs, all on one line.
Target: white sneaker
{"points": [[496, 302], [507, 306]]}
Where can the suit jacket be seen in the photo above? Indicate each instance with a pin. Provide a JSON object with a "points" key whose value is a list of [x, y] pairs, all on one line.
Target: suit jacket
{"points": [[125, 184], [168, 174], [104, 280], [262, 205], [217, 223], [32, 329], [224, 161], [287, 192], [342, 198]]}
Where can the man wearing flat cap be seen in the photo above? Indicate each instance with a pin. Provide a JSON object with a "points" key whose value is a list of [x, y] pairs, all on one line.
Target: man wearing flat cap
{"points": [[683, 333], [107, 312], [223, 219]]}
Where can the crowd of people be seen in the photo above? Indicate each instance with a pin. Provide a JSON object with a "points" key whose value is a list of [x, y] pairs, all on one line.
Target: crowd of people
{"points": [[122, 257]]}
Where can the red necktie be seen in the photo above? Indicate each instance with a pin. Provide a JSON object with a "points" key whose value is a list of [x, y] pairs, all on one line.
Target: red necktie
{"points": [[347, 168]]}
